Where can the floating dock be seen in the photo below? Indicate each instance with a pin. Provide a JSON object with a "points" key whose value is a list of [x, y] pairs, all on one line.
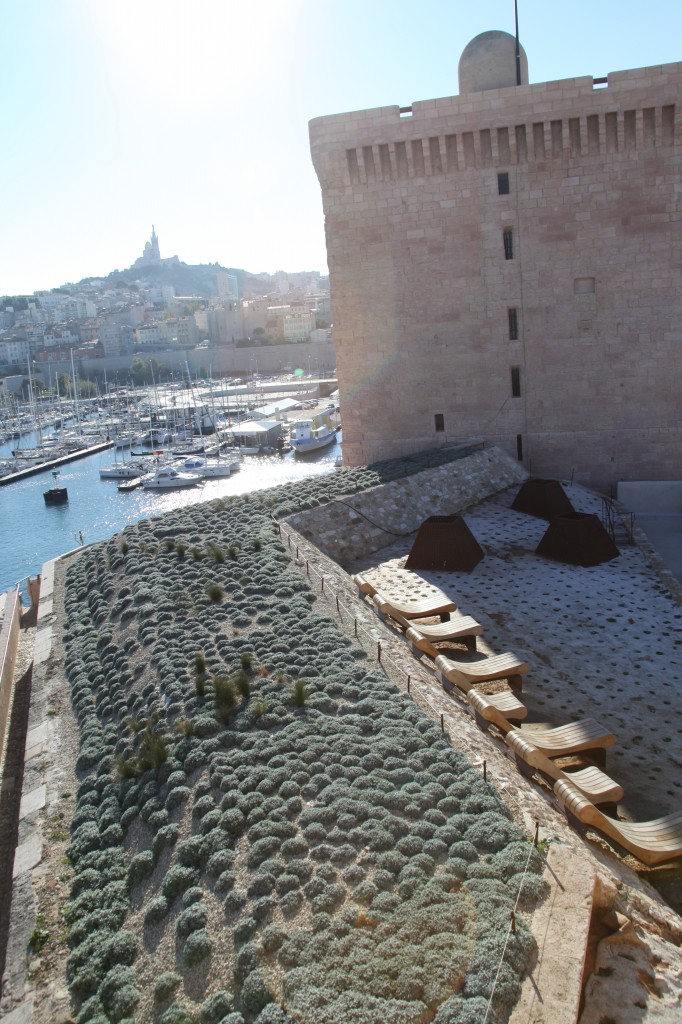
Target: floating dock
{"points": [[50, 464]]}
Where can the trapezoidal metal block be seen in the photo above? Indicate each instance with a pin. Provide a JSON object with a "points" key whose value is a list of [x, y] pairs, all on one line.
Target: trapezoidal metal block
{"points": [[446, 543], [542, 498], [577, 539]]}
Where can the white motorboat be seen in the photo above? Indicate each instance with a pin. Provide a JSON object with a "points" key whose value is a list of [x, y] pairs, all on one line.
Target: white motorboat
{"points": [[125, 470], [169, 478], [310, 435], [207, 470]]}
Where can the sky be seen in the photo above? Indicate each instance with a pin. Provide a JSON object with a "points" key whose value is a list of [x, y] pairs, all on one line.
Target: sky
{"points": [[193, 116]]}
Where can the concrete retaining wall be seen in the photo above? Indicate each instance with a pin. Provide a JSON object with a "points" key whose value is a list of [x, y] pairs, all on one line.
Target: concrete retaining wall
{"points": [[352, 527], [9, 642]]}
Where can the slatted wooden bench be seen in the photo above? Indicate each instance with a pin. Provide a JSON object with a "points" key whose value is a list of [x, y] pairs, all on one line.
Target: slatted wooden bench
{"points": [[497, 666], [591, 781], [652, 842], [576, 737]]}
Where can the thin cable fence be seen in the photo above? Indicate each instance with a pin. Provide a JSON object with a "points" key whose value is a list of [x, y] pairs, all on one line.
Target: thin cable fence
{"points": [[384, 659]]}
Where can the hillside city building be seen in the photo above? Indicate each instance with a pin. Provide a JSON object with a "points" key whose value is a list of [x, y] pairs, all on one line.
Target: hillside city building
{"points": [[505, 265]]}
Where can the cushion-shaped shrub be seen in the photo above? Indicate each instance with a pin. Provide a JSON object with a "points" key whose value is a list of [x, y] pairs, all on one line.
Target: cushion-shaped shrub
{"points": [[141, 867], [166, 985], [177, 880], [191, 919], [491, 832], [198, 947], [234, 901], [254, 995], [216, 1007]]}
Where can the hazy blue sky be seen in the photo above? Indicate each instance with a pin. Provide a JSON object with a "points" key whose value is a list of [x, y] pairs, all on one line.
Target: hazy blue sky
{"points": [[194, 115]]}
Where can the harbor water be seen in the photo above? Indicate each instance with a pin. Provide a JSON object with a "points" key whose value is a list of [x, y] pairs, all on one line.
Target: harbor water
{"points": [[34, 532]]}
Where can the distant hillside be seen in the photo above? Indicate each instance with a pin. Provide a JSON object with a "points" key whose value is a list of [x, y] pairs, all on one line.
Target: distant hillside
{"points": [[201, 279]]}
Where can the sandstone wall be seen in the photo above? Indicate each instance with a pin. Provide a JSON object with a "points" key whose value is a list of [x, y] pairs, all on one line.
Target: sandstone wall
{"points": [[349, 528], [424, 296]]}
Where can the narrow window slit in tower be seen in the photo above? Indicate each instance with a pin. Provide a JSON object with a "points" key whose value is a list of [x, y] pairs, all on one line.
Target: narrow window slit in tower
{"points": [[508, 242], [513, 317]]}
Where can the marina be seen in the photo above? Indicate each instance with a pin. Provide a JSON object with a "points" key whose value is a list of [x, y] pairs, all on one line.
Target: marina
{"points": [[34, 532]]}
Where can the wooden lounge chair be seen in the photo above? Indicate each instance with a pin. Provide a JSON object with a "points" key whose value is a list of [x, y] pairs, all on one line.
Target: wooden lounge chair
{"points": [[497, 666], [507, 703], [591, 781], [423, 636], [576, 737], [438, 604], [652, 842], [363, 585], [461, 627]]}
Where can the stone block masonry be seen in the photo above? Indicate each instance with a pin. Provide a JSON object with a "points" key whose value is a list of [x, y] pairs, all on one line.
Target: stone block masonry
{"points": [[352, 527], [506, 264]]}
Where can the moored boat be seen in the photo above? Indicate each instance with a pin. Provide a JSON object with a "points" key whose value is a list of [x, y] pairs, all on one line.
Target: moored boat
{"points": [[312, 434], [169, 478]]}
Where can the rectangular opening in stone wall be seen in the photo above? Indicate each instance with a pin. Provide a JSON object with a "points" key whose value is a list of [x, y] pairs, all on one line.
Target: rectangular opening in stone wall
{"points": [[405, 111], [574, 135], [583, 286], [519, 447], [439, 421], [434, 154], [557, 130], [401, 160], [469, 151], [611, 124], [385, 162], [418, 157], [368, 160], [503, 150], [668, 124], [513, 323], [593, 133], [451, 152], [486, 147], [539, 140], [521, 144], [503, 184], [630, 129], [353, 169], [508, 243], [649, 126], [516, 381]]}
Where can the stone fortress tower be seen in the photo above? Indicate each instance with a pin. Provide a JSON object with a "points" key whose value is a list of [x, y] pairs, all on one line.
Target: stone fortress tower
{"points": [[506, 264]]}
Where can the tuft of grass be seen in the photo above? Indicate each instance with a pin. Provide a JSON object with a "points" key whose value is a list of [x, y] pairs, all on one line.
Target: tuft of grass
{"points": [[257, 544], [197, 554], [232, 551], [260, 708], [215, 592], [169, 544], [243, 684], [225, 697], [246, 660], [300, 693], [123, 548], [185, 727], [180, 549], [200, 663]]}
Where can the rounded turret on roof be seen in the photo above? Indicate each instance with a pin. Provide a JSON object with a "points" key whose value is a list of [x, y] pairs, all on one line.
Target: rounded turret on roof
{"points": [[489, 62]]}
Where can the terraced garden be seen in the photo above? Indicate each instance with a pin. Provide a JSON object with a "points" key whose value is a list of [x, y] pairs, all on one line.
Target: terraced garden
{"points": [[267, 831]]}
